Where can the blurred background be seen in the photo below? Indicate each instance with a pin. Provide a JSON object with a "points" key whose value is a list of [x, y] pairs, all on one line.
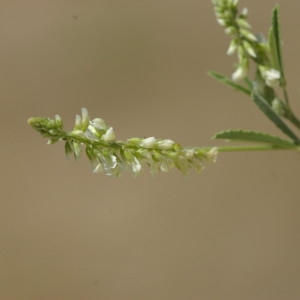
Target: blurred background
{"points": [[231, 232]]}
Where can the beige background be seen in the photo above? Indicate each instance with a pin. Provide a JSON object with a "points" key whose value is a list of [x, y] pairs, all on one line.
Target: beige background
{"points": [[231, 232]]}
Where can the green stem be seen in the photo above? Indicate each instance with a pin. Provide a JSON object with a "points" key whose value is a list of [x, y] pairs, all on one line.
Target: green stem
{"points": [[286, 97], [292, 118], [85, 141]]}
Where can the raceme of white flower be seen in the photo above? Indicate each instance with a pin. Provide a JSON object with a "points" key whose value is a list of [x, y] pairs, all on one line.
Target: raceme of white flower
{"points": [[247, 45], [236, 26], [112, 157]]}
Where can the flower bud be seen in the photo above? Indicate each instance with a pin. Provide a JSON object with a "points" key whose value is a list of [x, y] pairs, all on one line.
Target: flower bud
{"points": [[98, 124], [244, 12], [166, 165], [85, 119], [132, 162], [58, 121], [148, 142], [77, 122], [91, 133], [165, 144], [243, 23], [239, 74], [247, 34], [250, 50], [109, 135], [189, 153], [77, 133], [271, 76], [232, 47]]}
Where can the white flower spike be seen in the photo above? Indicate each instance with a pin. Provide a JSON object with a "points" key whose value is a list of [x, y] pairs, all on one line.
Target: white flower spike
{"points": [[111, 157]]}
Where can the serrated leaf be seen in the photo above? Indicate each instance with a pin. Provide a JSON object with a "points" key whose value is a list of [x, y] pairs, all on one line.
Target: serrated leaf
{"points": [[225, 80], [252, 136], [275, 42], [268, 111]]}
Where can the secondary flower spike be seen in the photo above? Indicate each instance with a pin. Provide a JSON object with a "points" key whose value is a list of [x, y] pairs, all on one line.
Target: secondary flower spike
{"points": [[113, 157]]}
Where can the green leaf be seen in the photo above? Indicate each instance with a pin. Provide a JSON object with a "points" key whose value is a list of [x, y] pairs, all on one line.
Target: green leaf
{"points": [[268, 111], [275, 43], [252, 136], [225, 80], [249, 83]]}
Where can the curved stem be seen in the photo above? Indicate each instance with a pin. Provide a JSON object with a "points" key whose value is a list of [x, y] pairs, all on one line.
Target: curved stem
{"points": [[292, 118]]}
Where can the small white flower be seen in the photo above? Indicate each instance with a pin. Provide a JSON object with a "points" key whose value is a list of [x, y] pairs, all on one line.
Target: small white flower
{"points": [[189, 153], [239, 73], [135, 166], [94, 161], [221, 22], [165, 144], [243, 23], [58, 121], [244, 12], [77, 122], [77, 133], [212, 154], [109, 135], [250, 50], [148, 142], [230, 30], [85, 118], [232, 47], [247, 34], [98, 124], [272, 77], [111, 165], [91, 133], [166, 165], [98, 168]]}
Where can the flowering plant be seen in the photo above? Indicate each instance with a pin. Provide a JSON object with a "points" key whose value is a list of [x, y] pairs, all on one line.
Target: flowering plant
{"points": [[267, 90]]}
